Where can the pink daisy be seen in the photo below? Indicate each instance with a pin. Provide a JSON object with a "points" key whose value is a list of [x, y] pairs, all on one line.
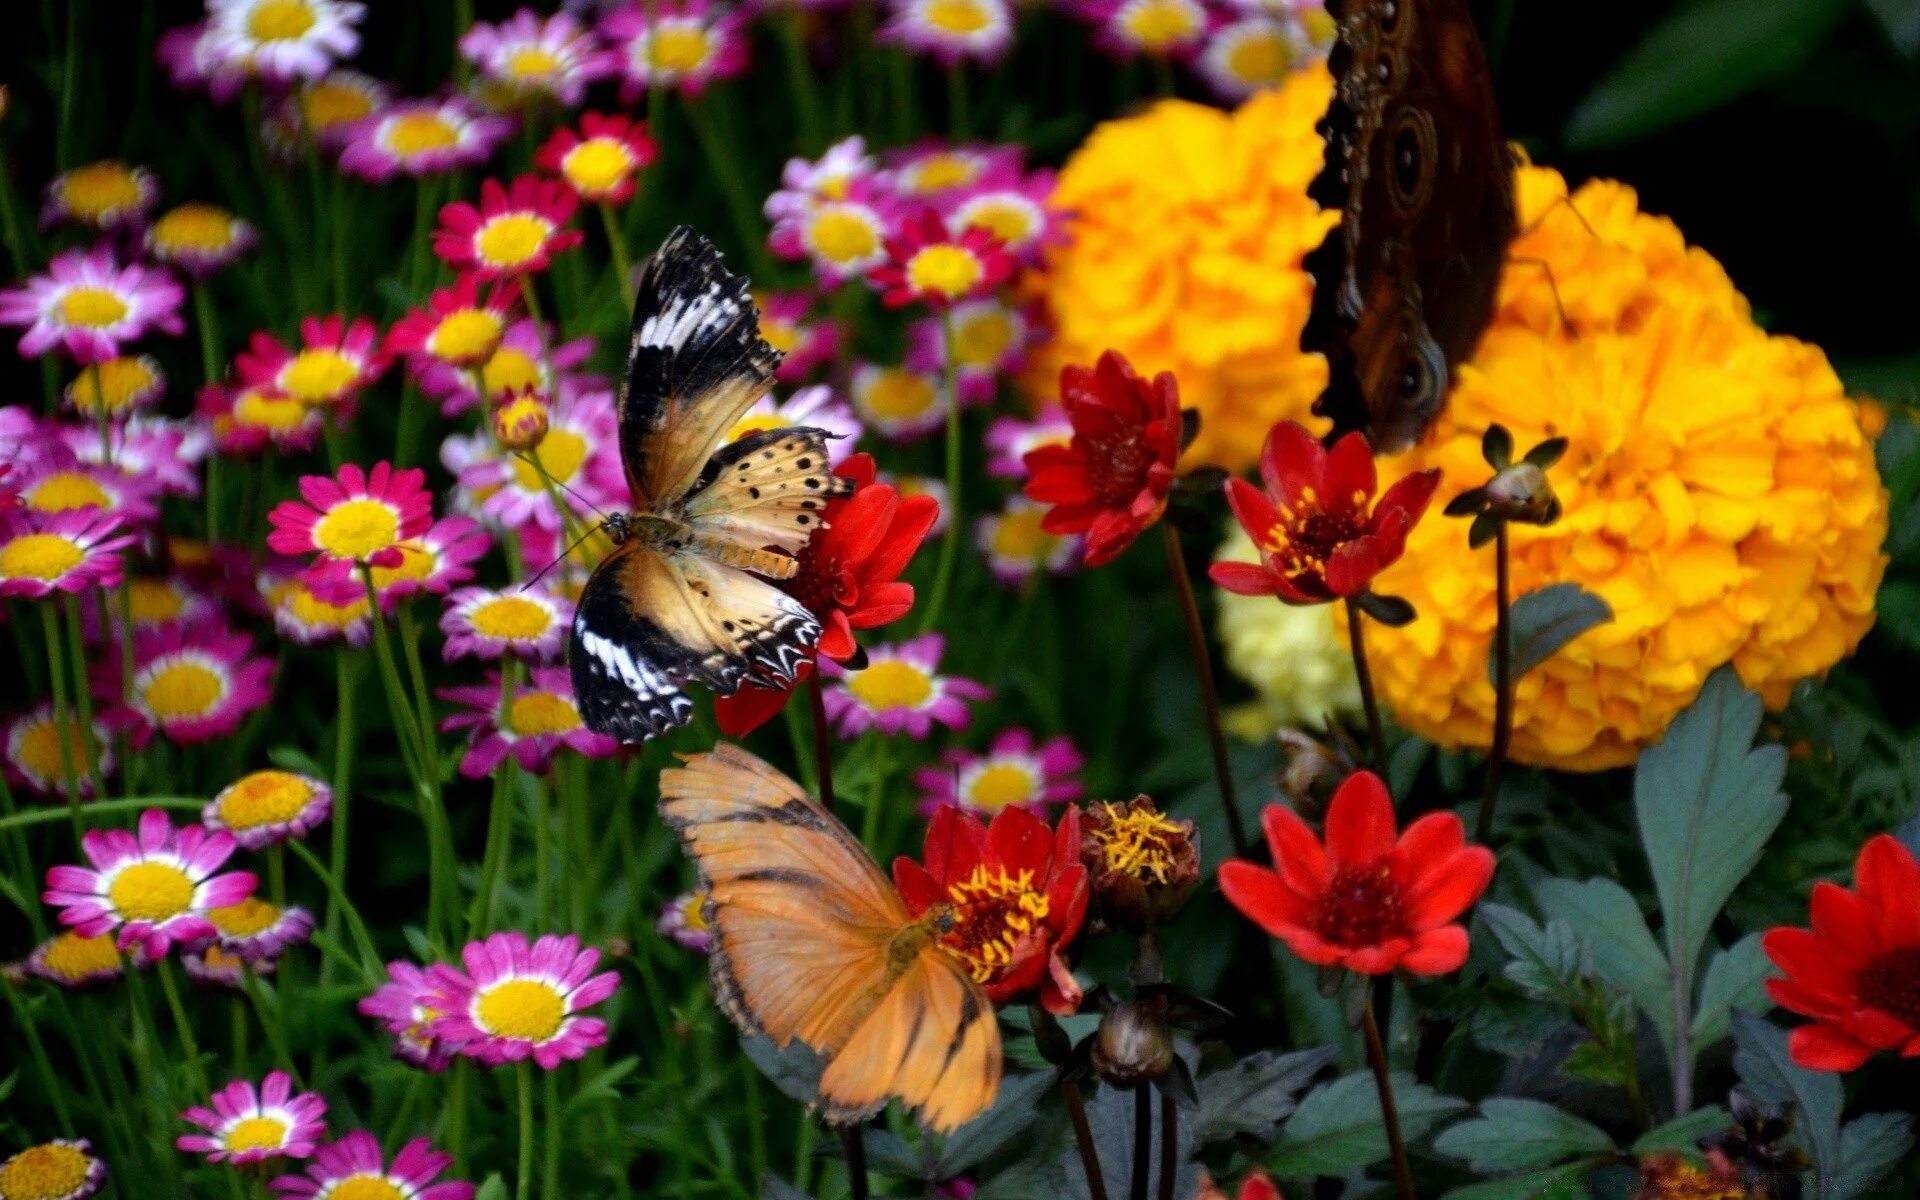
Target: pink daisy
{"points": [[951, 31], [304, 617], [528, 623], [335, 363], [436, 562], [813, 407], [1018, 547], [990, 341], [540, 718], [1014, 211], [515, 230], [841, 238], [69, 960], [1013, 773], [157, 452], [689, 45], [528, 56], [192, 683], [200, 239], [281, 41], [806, 342], [154, 888], [267, 807], [602, 159], [900, 690], [1167, 29], [257, 930], [103, 197], [835, 175], [929, 264], [89, 306], [354, 1166], [1010, 438], [192, 64], [522, 1001], [580, 450], [356, 516], [422, 137], [461, 326], [246, 420], [405, 1007], [519, 362], [937, 172], [34, 757], [249, 1125], [58, 482], [683, 921], [43, 553]]}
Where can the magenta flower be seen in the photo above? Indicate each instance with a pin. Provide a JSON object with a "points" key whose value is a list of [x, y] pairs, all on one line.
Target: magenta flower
{"points": [[519, 1001], [89, 306], [530, 56], [683, 921], [515, 230], [192, 683], [1013, 773], [1015, 211], [539, 719], [900, 690], [58, 482], [34, 758], [43, 553], [937, 172], [1163, 29], [267, 807], [518, 362], [990, 343], [280, 42], [154, 888], [405, 1008], [951, 31], [461, 326], [257, 931], [187, 53], [813, 407], [528, 623], [422, 137], [806, 342], [104, 197], [335, 363], [354, 1166], [249, 1125], [1018, 546], [1010, 438], [835, 175], [689, 45], [161, 451], [245, 420], [357, 516], [436, 562], [580, 450]]}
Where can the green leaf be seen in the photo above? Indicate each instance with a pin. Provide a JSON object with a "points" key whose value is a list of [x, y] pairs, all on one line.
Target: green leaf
{"points": [[1011, 1115], [772, 1187], [1870, 1147], [1697, 59], [1736, 978], [1518, 1135], [1543, 622], [1255, 1094], [1761, 1061], [795, 1070], [1338, 1129], [495, 1188], [1706, 800], [1619, 947], [1546, 962], [1683, 1132], [1558, 1183]]}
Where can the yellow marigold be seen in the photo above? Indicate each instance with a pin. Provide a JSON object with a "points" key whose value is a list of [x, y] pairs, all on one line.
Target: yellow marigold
{"points": [[1187, 227], [1719, 493], [1296, 658]]}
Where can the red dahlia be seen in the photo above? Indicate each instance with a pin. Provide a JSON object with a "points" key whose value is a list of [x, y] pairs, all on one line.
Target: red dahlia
{"points": [[1111, 480]]}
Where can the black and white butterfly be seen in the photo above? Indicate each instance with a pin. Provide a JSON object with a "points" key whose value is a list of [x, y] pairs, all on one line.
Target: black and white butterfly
{"points": [[684, 595]]}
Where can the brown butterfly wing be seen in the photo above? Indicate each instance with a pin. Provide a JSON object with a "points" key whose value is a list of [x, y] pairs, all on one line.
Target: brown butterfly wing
{"points": [[1418, 167]]}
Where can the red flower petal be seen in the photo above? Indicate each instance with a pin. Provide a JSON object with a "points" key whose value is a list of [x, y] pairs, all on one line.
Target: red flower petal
{"points": [[1245, 579], [1350, 478], [1262, 898], [1019, 841], [1428, 842], [1377, 960], [916, 885], [1888, 882], [1437, 951], [955, 845], [1298, 855], [1360, 820], [1825, 1047], [1291, 462], [1450, 888]]}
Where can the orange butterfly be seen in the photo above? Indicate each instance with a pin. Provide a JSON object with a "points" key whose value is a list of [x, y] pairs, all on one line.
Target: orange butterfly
{"points": [[814, 944]]}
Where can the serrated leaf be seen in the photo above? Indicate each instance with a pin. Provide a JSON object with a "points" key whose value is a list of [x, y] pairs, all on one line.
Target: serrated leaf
{"points": [[1592, 1061], [1761, 1061], [1557, 1183], [1337, 1128], [1545, 961], [1619, 946], [1735, 978], [1543, 622], [1012, 1113], [1520, 1135], [1683, 1133], [1870, 1147], [1255, 1094], [1697, 59]]}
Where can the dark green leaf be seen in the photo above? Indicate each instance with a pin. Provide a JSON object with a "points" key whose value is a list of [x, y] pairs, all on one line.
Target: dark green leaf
{"points": [[1595, 1063], [1735, 979], [1619, 946], [772, 1187], [1483, 530], [1547, 453], [1544, 621], [1870, 1147], [1012, 1114], [495, 1188], [795, 1070], [1684, 1132], [1761, 1061], [1558, 1183], [1546, 962], [1391, 611], [1338, 1129], [1496, 446], [1470, 501], [1255, 1094], [1697, 59], [1520, 1135]]}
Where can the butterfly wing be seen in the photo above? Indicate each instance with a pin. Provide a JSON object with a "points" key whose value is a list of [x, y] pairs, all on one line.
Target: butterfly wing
{"points": [[767, 489], [804, 923], [650, 620], [1419, 169], [695, 364]]}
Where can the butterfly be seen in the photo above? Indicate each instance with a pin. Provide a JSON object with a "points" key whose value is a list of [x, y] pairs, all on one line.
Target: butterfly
{"points": [[684, 594], [1420, 172], [812, 943]]}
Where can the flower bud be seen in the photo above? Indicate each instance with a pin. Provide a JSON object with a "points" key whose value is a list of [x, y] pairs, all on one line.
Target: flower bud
{"points": [[1314, 769], [1133, 1045], [520, 420], [1521, 493], [1143, 864]]}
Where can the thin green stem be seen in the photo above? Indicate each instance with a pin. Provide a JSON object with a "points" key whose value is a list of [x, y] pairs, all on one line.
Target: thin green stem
{"points": [[806, 93], [189, 1046], [343, 746], [1083, 1139], [1389, 1111], [1502, 685], [739, 197], [617, 246], [956, 527], [99, 808], [523, 1080], [370, 956], [63, 714], [1376, 733], [550, 1160], [51, 1084], [499, 817], [1209, 693]]}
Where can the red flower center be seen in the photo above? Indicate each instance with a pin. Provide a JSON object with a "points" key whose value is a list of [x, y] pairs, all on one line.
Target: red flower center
{"points": [[1361, 906], [1891, 984], [1117, 466], [1305, 538], [819, 582], [993, 912]]}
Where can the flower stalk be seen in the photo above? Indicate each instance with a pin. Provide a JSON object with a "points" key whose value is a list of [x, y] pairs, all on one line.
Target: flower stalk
{"points": [[956, 528], [1376, 733], [1209, 692], [1389, 1112], [1502, 686]]}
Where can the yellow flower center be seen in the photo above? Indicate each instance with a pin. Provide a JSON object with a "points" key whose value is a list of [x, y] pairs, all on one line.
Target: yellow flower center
{"points": [[92, 307], [1000, 785], [365, 1187], [597, 165], [1260, 57], [512, 239], [73, 958], [1139, 842], [420, 133], [38, 750], [257, 1133], [417, 562], [154, 601], [511, 618], [941, 172], [99, 190], [560, 454], [1320, 26], [693, 910], [262, 410], [311, 612], [114, 384], [781, 335], [542, 712], [194, 227], [1010, 222], [328, 105], [184, 688], [897, 395], [755, 423], [945, 269], [981, 339], [151, 891], [843, 235], [43, 556], [532, 62], [993, 912], [280, 20], [245, 919], [466, 335], [1159, 25], [891, 683], [264, 798], [1018, 536], [357, 528], [526, 1009], [319, 375], [63, 491], [509, 370], [957, 17], [46, 1172], [678, 48]]}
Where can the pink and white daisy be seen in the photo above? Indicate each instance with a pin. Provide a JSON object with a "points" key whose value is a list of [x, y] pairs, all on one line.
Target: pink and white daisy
{"points": [[515, 230], [188, 53], [461, 326], [69, 960], [356, 516], [117, 387], [281, 41], [806, 342], [191, 683], [688, 45], [62, 1169], [88, 305], [43, 553], [928, 263], [199, 239], [1018, 547], [1010, 438], [840, 238], [270, 806], [336, 361], [528, 623], [522, 1001], [813, 407], [211, 966], [105, 197], [436, 562], [951, 31], [159, 453], [1015, 212], [422, 137], [683, 921], [844, 167], [325, 112], [353, 1167], [405, 1007], [1015, 772], [539, 719], [59, 482], [519, 363], [900, 690], [257, 930], [898, 403], [1164, 29], [154, 887], [249, 1125], [990, 343], [247, 419], [306, 619], [937, 172], [34, 757], [601, 160], [154, 602], [528, 56], [580, 450]]}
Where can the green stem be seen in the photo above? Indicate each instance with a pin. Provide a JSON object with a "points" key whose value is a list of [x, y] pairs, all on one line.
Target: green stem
{"points": [[543, 850], [100, 808], [870, 820], [343, 745], [371, 964], [523, 1072], [1376, 733], [1502, 685], [1389, 1112], [550, 1161], [741, 205], [1209, 693], [63, 714], [188, 1045], [499, 817], [617, 246], [956, 527], [806, 95], [50, 1083]]}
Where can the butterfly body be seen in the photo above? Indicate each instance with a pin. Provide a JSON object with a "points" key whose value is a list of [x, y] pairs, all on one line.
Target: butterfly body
{"points": [[686, 593], [1418, 167]]}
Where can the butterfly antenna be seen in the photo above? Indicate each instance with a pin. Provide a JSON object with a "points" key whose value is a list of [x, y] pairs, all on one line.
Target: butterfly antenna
{"points": [[562, 485], [1553, 286], [563, 556]]}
